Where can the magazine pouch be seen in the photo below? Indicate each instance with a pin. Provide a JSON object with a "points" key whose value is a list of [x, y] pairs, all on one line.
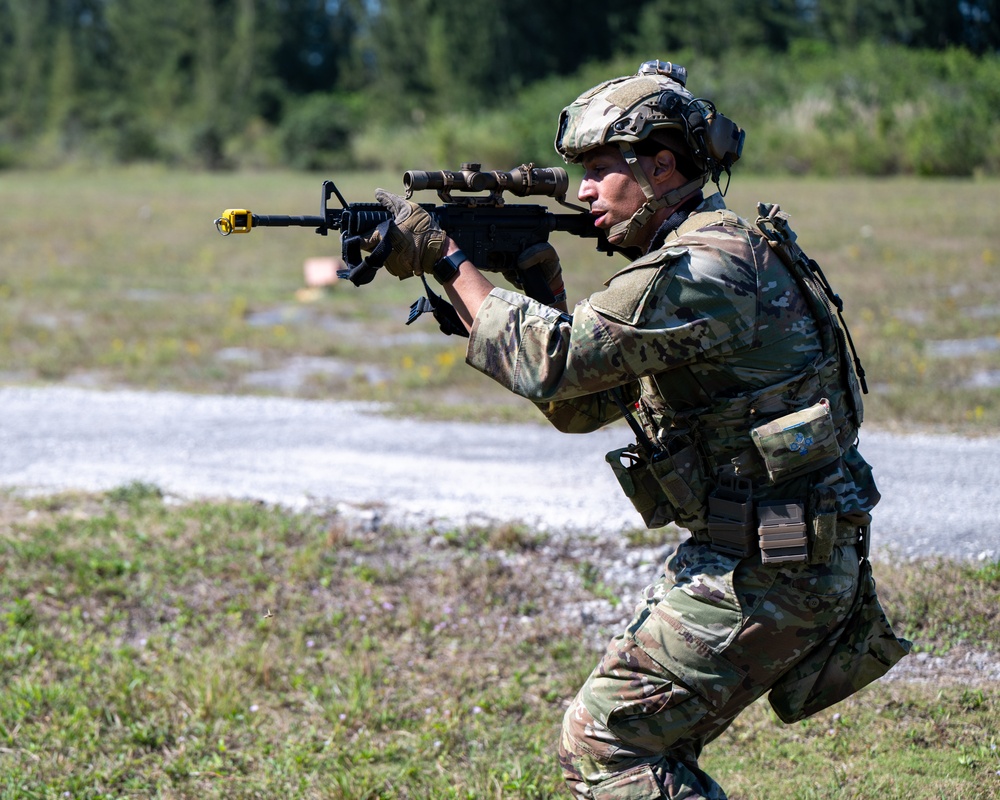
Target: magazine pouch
{"points": [[664, 487]]}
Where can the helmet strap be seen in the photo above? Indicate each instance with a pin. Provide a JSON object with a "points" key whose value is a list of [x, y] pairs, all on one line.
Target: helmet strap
{"points": [[633, 226]]}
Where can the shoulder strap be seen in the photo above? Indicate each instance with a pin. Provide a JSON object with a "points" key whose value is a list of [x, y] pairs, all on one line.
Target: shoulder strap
{"points": [[713, 212]]}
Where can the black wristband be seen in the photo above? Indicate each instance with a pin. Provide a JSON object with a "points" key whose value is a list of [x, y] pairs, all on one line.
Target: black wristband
{"points": [[446, 268]]}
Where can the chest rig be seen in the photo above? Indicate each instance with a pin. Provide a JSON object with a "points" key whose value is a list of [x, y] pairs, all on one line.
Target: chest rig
{"points": [[721, 463]]}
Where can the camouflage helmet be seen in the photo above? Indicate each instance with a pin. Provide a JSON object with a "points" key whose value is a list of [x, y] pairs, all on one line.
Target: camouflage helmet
{"points": [[654, 104], [625, 109]]}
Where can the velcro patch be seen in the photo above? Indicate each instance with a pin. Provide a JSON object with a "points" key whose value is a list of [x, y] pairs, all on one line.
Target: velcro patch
{"points": [[631, 92], [627, 290]]}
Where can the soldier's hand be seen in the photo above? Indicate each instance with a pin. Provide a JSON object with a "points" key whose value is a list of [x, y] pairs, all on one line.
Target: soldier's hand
{"points": [[544, 258], [415, 239]]}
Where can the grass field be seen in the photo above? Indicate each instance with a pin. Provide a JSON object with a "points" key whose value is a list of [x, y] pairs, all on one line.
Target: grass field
{"points": [[119, 278], [204, 650]]}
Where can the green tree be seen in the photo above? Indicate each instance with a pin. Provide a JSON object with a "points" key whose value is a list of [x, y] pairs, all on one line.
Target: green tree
{"points": [[937, 24], [22, 97], [719, 26], [439, 55]]}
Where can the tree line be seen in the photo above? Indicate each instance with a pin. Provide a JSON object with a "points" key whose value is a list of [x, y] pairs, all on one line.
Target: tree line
{"points": [[320, 83]]}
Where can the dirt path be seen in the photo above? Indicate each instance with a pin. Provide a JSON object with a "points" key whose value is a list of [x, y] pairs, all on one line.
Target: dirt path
{"points": [[940, 492]]}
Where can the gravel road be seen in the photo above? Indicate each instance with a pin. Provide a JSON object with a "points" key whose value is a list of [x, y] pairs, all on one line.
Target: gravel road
{"points": [[940, 493]]}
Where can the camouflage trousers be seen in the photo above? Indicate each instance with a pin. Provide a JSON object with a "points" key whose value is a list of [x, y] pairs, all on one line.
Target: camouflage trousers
{"points": [[707, 640]]}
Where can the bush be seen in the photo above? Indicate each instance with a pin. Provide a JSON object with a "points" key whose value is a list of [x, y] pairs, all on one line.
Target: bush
{"points": [[868, 111], [316, 131]]}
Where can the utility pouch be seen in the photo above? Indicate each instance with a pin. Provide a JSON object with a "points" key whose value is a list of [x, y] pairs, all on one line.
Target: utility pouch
{"points": [[861, 651], [663, 488], [731, 526], [640, 486], [797, 443]]}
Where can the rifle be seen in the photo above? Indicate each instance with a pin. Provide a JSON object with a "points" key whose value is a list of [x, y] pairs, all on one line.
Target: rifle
{"points": [[492, 233]]}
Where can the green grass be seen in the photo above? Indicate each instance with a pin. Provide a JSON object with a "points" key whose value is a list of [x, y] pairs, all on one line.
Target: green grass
{"points": [[892, 741], [119, 278], [234, 650]]}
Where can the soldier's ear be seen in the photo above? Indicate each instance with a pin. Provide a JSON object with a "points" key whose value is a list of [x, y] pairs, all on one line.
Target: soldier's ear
{"points": [[664, 166]]}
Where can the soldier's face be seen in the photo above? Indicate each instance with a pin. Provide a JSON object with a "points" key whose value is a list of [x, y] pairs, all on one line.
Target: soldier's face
{"points": [[609, 187]]}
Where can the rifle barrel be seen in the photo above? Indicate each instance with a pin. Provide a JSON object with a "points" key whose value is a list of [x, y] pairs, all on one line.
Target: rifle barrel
{"points": [[283, 221]]}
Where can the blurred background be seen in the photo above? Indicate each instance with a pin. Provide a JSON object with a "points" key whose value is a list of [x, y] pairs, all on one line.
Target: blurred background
{"points": [[127, 126], [826, 87]]}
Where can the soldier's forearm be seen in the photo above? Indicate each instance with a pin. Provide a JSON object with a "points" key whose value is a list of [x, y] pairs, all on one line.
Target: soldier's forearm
{"points": [[468, 289]]}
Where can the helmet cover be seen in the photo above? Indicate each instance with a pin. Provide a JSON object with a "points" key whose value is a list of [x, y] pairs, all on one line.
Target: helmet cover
{"points": [[627, 109]]}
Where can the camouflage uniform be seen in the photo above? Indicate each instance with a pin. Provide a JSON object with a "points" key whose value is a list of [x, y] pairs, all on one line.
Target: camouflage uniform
{"points": [[706, 333]]}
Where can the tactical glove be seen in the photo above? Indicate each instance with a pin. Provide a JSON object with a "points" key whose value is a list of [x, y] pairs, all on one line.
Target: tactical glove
{"points": [[543, 258], [416, 241]]}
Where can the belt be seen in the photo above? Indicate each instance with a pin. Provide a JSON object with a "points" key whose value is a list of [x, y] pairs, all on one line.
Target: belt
{"points": [[846, 534]]}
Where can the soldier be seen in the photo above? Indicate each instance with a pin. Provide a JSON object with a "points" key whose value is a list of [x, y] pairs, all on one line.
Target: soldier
{"points": [[733, 372]]}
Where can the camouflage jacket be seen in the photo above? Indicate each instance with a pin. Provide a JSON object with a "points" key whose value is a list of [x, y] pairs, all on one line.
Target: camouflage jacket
{"points": [[708, 335]]}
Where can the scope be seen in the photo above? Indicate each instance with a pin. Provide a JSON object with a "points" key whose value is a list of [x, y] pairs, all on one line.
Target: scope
{"points": [[522, 181]]}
